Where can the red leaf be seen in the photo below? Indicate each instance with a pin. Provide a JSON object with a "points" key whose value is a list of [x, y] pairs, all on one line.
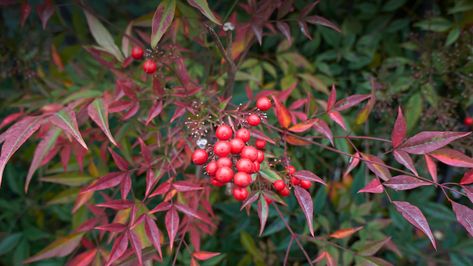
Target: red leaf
{"points": [[113, 227], [374, 186], [125, 185], [325, 255], [467, 178], [118, 249], [403, 158], [415, 217], [464, 216], [15, 136], [180, 111], [172, 225], [83, 259], [346, 232], [283, 27], [283, 115], [45, 11], [322, 21], [283, 95], [163, 188], [163, 206], [305, 201], [354, 161], [263, 212], [59, 248], [249, 200], [161, 21], [10, 119], [377, 166], [294, 140], [431, 166], [452, 157], [66, 120], [116, 204], [191, 213], [308, 8], [185, 186], [309, 176], [107, 181], [337, 118], [153, 234], [350, 101], [332, 98], [136, 244], [303, 126], [428, 141], [99, 114], [399, 131], [469, 192], [260, 135], [405, 182], [25, 13], [121, 163], [154, 111], [322, 127], [204, 255]]}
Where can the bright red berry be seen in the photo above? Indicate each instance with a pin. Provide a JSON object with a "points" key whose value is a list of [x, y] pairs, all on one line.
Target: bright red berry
{"points": [[256, 167], [224, 161], [268, 200], [295, 181], [249, 152], [284, 192], [242, 179], [245, 165], [240, 193], [253, 120], [263, 103], [260, 157], [291, 169], [260, 144], [305, 184], [222, 148], [224, 132], [137, 52], [279, 185], [468, 121], [243, 134], [149, 66], [216, 183], [236, 145], [199, 157], [211, 168], [224, 174]]}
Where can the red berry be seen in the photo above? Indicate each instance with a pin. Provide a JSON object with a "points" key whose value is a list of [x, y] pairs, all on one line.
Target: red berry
{"points": [[305, 184], [263, 103], [211, 168], [260, 157], [216, 183], [291, 169], [199, 157], [249, 152], [243, 134], [279, 185], [149, 66], [256, 166], [468, 121], [240, 193], [285, 192], [224, 174], [268, 200], [260, 144], [236, 145], [295, 181], [245, 165], [224, 132], [224, 161], [253, 120], [242, 179], [222, 148], [137, 52]]}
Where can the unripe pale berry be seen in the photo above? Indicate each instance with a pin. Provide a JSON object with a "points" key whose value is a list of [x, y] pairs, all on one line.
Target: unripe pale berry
{"points": [[260, 144], [279, 185], [249, 152], [243, 134], [242, 179], [211, 168], [149, 66], [137, 52], [224, 132], [240, 193], [224, 161], [224, 174], [263, 103], [236, 145], [199, 157], [253, 120], [222, 148]]}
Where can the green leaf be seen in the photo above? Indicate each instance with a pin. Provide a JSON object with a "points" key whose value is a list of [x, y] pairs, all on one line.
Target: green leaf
{"points": [[452, 36], [99, 114], [392, 5], [413, 110], [370, 248], [162, 19], [102, 36], [9, 242], [268, 174], [66, 120], [203, 7], [72, 179], [437, 24], [59, 248]]}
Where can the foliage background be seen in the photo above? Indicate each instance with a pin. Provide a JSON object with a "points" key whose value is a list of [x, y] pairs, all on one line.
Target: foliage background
{"points": [[420, 52]]}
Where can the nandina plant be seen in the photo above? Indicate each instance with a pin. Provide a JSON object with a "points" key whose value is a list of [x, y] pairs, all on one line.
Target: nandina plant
{"points": [[172, 137]]}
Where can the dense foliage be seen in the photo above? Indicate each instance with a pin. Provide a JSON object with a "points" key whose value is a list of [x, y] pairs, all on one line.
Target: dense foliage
{"points": [[124, 132]]}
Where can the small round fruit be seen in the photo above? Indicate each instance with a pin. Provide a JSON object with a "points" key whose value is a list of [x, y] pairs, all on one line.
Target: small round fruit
{"points": [[224, 161], [263, 103], [242, 179], [260, 157], [268, 200], [468, 121], [249, 152], [137, 52], [253, 120], [260, 144], [224, 174], [240, 193], [295, 181], [291, 169], [243, 134], [222, 148], [279, 185], [236, 145], [224, 132], [245, 165], [285, 192], [256, 167], [149, 66], [211, 168], [216, 183], [305, 184], [199, 157]]}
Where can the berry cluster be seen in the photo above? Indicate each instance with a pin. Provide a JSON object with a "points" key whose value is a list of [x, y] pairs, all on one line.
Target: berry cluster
{"points": [[281, 187], [237, 160], [149, 66]]}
